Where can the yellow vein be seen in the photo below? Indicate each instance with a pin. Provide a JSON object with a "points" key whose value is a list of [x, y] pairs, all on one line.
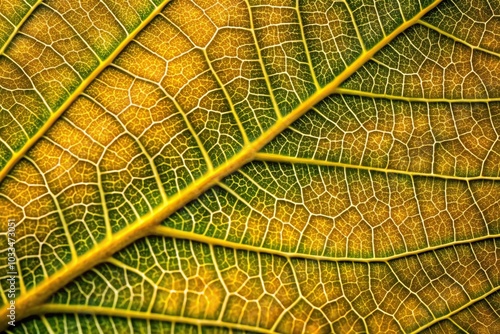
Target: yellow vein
{"points": [[34, 88], [14, 118], [126, 267], [221, 85], [309, 161], [136, 140], [102, 194], [306, 48], [181, 111], [161, 186], [165, 231], [219, 82], [2, 141], [25, 303], [261, 62], [456, 39], [102, 197], [353, 92], [356, 28], [37, 295], [228, 98], [458, 310], [192, 131], [122, 313], [57, 53], [288, 310], [60, 213], [4, 296], [456, 324], [47, 324], [156, 174], [227, 291], [56, 114], [18, 26]]}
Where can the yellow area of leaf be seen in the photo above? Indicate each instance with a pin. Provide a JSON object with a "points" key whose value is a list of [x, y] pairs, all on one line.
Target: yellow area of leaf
{"points": [[156, 201], [58, 83], [28, 302]]}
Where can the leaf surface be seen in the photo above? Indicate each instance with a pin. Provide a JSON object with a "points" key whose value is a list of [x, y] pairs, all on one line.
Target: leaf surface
{"points": [[252, 166]]}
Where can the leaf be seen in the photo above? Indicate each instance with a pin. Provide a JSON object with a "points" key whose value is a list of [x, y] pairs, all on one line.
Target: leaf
{"points": [[251, 166], [71, 44]]}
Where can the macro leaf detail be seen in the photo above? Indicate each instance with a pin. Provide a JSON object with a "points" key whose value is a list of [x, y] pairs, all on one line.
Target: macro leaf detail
{"points": [[251, 166]]}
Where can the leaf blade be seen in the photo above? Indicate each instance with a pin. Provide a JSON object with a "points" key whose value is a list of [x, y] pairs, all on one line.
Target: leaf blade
{"points": [[40, 132], [223, 166]]}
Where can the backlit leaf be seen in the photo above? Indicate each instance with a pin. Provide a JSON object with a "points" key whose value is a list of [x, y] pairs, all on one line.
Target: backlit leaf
{"points": [[257, 166]]}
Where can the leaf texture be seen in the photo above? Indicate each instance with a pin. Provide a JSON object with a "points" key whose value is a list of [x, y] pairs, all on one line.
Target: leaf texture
{"points": [[251, 166]]}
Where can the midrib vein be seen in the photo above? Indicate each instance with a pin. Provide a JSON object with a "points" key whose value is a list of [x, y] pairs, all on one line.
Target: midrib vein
{"points": [[76, 93], [26, 304]]}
